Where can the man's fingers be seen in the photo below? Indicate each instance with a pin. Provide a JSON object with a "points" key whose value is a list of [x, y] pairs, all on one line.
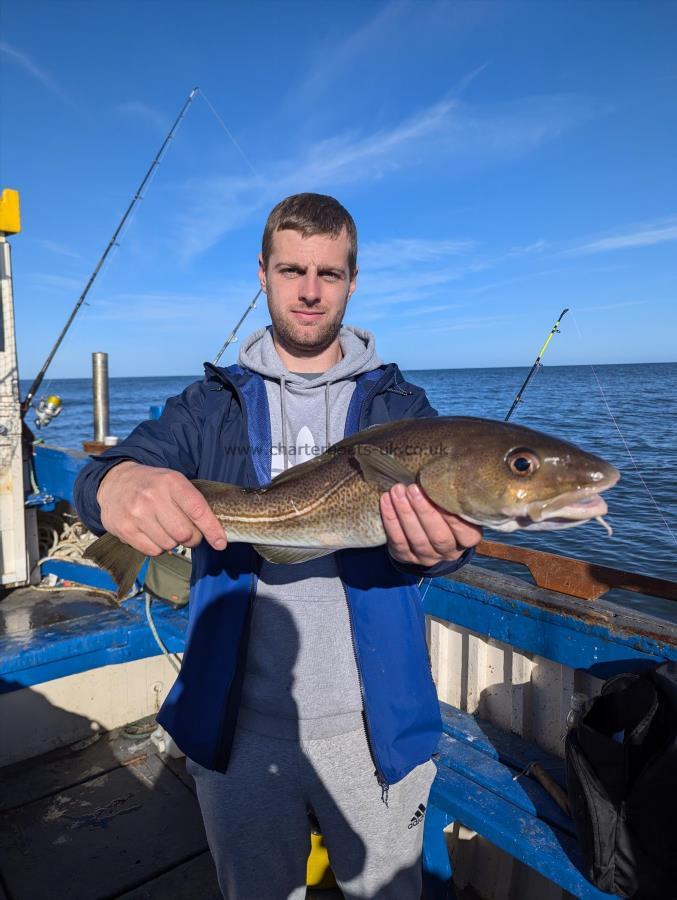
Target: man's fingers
{"points": [[193, 504], [178, 526], [155, 531], [418, 539], [436, 527], [143, 544], [467, 534], [397, 539], [416, 536]]}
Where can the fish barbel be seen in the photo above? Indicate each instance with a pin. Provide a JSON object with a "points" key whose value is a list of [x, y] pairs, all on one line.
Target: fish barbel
{"points": [[499, 475]]}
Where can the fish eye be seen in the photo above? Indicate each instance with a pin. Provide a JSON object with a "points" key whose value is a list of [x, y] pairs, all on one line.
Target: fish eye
{"points": [[522, 462]]}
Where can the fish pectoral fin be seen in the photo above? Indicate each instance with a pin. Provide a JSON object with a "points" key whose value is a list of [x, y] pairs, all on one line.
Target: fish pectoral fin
{"points": [[290, 555], [380, 468]]}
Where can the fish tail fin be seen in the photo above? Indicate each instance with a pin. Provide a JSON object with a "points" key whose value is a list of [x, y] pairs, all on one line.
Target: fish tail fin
{"points": [[120, 560]]}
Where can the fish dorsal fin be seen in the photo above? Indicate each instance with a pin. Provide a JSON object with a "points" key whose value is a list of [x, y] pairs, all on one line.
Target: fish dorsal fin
{"points": [[290, 555], [380, 468]]}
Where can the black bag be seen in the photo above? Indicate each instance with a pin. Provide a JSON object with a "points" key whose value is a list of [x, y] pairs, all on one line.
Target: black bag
{"points": [[621, 760]]}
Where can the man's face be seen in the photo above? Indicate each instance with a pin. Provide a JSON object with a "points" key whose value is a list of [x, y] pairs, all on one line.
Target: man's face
{"points": [[308, 284]]}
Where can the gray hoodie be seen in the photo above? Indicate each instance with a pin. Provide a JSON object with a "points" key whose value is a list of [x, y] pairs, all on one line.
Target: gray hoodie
{"points": [[301, 678]]}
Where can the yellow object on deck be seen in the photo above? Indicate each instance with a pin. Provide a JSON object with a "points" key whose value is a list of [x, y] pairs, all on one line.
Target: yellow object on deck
{"points": [[10, 216], [319, 873]]}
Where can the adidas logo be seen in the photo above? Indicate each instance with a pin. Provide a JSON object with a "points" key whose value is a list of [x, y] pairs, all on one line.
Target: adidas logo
{"points": [[417, 818]]}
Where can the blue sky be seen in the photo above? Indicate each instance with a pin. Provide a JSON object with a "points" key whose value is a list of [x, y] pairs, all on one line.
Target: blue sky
{"points": [[502, 161]]}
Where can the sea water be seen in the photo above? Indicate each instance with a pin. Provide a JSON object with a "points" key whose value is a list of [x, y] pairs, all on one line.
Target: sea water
{"points": [[625, 413]]}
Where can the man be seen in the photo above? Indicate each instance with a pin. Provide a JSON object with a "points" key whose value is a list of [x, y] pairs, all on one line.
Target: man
{"points": [[305, 689]]}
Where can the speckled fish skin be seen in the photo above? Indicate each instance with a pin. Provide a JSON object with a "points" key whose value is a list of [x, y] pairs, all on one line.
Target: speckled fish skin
{"points": [[467, 466], [503, 476]]}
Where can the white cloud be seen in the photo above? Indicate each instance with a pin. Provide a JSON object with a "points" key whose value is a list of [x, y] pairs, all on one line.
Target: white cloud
{"points": [[67, 282], [144, 112], [59, 249], [160, 307], [37, 72], [405, 251], [489, 321], [642, 236], [444, 134]]}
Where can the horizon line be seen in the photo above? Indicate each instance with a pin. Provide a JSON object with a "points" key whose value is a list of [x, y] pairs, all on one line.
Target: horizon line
{"points": [[404, 369]]}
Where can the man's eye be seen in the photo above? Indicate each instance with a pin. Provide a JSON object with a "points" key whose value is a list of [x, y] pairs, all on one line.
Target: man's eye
{"points": [[331, 276], [290, 273]]}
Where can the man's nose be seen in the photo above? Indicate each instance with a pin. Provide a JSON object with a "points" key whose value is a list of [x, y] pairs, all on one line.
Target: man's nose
{"points": [[310, 288]]}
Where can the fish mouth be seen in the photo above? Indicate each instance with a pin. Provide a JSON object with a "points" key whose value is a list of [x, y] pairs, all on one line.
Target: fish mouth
{"points": [[571, 507]]}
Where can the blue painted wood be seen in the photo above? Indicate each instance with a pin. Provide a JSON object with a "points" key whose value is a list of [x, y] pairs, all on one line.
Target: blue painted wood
{"points": [[477, 760], [91, 576], [549, 851], [437, 872], [489, 773], [67, 648], [40, 499], [56, 469], [487, 738], [69, 571], [583, 643]]}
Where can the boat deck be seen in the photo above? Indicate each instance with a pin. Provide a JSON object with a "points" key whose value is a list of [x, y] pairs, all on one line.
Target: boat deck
{"points": [[108, 817]]}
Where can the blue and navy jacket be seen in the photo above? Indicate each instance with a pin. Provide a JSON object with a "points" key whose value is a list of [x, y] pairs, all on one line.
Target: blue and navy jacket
{"points": [[213, 430]]}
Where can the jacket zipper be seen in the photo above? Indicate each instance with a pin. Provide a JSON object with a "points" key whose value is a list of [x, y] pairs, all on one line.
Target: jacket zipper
{"points": [[380, 777], [226, 736]]}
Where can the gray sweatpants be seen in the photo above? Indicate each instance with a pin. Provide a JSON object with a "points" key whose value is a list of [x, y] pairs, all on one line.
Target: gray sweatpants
{"points": [[256, 817]]}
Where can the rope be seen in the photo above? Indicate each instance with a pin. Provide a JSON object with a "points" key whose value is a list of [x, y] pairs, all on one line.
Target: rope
{"points": [[63, 536], [171, 658]]}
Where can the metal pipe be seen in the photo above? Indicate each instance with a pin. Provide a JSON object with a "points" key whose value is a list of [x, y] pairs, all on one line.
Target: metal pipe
{"points": [[100, 395]]}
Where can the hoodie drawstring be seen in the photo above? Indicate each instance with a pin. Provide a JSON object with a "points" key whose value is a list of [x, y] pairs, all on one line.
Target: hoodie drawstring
{"points": [[326, 417], [283, 416]]}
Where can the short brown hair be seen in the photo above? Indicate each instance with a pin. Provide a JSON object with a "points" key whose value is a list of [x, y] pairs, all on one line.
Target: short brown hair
{"points": [[310, 214]]}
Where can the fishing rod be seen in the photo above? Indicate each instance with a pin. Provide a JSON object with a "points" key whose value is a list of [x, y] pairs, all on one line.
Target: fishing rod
{"points": [[28, 399], [553, 331], [233, 334]]}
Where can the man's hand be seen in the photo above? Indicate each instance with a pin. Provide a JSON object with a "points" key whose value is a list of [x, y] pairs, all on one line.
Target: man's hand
{"points": [[419, 532], [154, 509]]}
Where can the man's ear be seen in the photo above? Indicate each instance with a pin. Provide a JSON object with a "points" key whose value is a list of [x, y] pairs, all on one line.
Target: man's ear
{"points": [[262, 274], [353, 284]]}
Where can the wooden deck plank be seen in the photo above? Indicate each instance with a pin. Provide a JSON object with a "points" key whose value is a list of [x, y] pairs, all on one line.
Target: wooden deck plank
{"points": [[194, 879], [101, 838], [58, 770]]}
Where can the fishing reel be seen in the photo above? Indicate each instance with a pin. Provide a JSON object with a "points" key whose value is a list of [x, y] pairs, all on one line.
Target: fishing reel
{"points": [[48, 409]]}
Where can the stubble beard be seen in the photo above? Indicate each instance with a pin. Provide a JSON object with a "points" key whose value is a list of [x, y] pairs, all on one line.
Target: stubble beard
{"points": [[311, 338]]}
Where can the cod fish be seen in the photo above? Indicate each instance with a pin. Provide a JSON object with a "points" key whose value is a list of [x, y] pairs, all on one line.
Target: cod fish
{"points": [[499, 475]]}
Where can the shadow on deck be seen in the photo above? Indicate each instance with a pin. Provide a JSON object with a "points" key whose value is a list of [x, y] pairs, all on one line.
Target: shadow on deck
{"points": [[108, 817]]}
